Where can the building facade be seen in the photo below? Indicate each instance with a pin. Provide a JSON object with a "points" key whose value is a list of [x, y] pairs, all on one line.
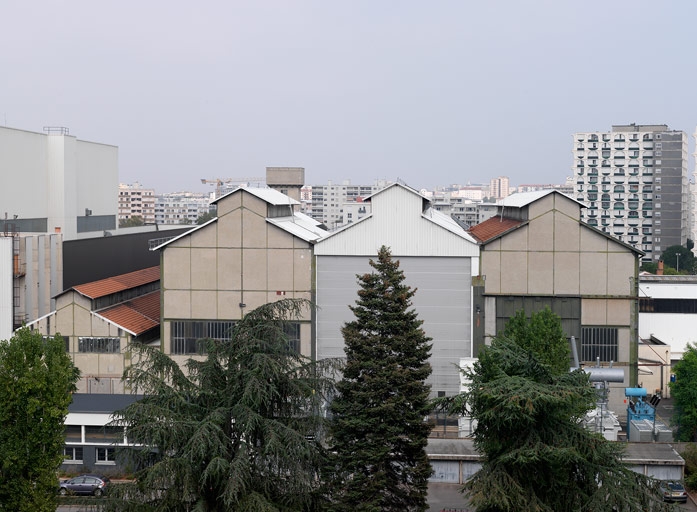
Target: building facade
{"points": [[329, 201], [136, 201], [71, 183], [257, 250], [438, 259], [634, 181], [181, 207], [499, 187], [99, 319], [538, 253]]}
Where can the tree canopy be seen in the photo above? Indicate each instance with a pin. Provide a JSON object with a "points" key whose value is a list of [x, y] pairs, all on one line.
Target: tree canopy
{"points": [[134, 221], [378, 429], [684, 391], [537, 455], [37, 379], [542, 334], [235, 430], [205, 217], [680, 258]]}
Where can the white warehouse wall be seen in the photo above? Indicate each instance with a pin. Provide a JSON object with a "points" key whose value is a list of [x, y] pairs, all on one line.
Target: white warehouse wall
{"points": [[57, 177]]}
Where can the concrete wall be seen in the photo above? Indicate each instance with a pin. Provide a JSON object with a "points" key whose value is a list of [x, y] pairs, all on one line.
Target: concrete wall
{"points": [[240, 259]]}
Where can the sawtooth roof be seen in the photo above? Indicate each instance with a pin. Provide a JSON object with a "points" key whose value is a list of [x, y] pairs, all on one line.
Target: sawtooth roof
{"points": [[119, 283]]}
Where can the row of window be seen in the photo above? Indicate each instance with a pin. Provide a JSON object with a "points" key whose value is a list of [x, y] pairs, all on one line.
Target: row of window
{"points": [[105, 345], [649, 305], [103, 455], [188, 336]]}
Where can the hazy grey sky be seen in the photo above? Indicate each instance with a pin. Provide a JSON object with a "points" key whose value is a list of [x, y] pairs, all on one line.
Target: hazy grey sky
{"points": [[431, 92]]}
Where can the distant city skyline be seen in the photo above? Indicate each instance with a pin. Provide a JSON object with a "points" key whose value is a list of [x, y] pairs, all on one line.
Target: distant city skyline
{"points": [[431, 95]]}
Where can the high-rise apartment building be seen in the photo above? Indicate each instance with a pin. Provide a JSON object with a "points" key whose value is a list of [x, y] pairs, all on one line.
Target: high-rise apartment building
{"points": [[499, 187], [136, 201], [634, 182], [328, 201], [181, 207]]}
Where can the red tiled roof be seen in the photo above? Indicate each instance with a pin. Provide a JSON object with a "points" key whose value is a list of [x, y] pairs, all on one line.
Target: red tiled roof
{"points": [[110, 285], [493, 227], [137, 315]]}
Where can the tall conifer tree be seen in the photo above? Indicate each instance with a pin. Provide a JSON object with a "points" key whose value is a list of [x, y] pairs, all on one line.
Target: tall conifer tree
{"points": [[378, 427]]}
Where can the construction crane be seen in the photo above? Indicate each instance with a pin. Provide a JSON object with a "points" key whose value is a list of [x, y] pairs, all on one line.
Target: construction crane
{"points": [[220, 183]]}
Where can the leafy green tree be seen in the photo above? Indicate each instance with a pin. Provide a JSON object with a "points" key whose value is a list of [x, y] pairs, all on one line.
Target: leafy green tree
{"points": [[378, 428], [537, 455], [684, 392], [237, 430], [649, 267], [37, 378], [131, 222], [542, 334], [680, 258], [205, 217], [690, 456]]}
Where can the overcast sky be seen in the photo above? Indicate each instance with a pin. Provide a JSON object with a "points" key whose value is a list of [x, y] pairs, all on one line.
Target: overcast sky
{"points": [[433, 93]]}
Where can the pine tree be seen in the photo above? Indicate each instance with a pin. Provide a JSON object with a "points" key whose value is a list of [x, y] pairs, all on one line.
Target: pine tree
{"points": [[237, 430], [537, 455], [542, 334], [378, 427]]}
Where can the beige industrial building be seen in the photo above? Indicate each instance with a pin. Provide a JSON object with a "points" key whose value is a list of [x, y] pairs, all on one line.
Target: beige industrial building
{"points": [[258, 249], [98, 320], [537, 252]]}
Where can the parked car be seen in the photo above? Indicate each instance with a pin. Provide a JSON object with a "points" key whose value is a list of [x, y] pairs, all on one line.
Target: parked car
{"points": [[673, 491], [95, 485]]}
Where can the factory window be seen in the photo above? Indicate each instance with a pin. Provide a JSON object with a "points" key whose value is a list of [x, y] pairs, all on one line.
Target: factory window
{"points": [[649, 305], [187, 335], [292, 331], [599, 342], [99, 345]]}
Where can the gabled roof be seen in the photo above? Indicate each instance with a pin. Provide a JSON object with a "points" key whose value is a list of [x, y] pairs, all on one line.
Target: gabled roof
{"points": [[269, 195], [298, 224], [396, 184], [119, 283], [493, 228], [137, 315], [447, 222], [521, 199]]}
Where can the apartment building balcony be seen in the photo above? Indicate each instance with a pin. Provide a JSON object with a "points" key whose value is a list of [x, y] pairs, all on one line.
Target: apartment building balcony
{"points": [[592, 162], [633, 163]]}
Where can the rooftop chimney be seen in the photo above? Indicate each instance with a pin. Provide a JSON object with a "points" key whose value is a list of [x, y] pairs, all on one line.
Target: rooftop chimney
{"points": [[659, 270]]}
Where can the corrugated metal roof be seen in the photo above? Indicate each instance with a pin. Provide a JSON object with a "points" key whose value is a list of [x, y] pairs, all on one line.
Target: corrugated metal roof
{"points": [[447, 222], [521, 199], [493, 227], [137, 315], [269, 195], [114, 284], [299, 225], [400, 219]]}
